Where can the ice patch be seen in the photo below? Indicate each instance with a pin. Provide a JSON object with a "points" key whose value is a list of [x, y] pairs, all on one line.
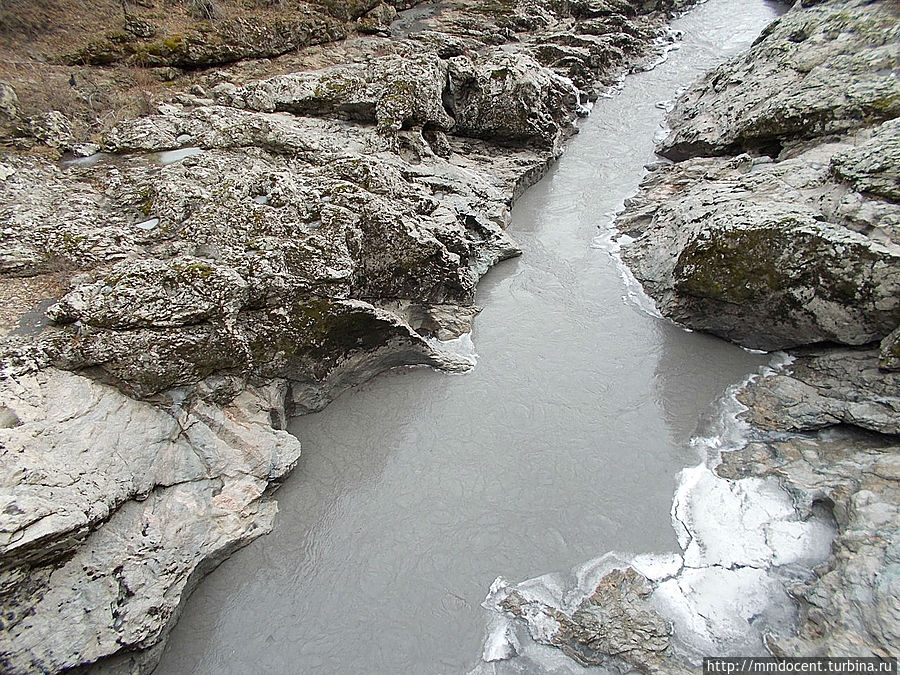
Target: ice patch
{"points": [[611, 241], [501, 642], [148, 224], [658, 567], [724, 523], [89, 160], [716, 610], [172, 156], [462, 348]]}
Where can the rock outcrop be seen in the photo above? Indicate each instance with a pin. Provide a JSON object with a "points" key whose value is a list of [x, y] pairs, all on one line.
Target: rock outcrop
{"points": [[113, 507], [777, 227], [798, 248], [612, 626], [826, 402], [246, 250], [205, 44], [768, 254], [820, 70]]}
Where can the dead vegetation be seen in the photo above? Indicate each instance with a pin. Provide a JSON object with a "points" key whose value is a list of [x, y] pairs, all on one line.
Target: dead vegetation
{"points": [[39, 37]]}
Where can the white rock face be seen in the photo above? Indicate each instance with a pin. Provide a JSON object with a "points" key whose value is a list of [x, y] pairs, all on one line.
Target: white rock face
{"points": [[181, 488]]}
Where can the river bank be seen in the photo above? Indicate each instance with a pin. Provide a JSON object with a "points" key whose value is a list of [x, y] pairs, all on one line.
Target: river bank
{"points": [[416, 489], [776, 228], [322, 225], [168, 311], [795, 145]]}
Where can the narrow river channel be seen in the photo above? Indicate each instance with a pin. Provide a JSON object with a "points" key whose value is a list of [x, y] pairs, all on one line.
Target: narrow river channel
{"points": [[418, 488]]}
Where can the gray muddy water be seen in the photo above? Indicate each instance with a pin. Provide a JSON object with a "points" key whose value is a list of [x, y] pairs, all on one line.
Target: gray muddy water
{"points": [[417, 489]]}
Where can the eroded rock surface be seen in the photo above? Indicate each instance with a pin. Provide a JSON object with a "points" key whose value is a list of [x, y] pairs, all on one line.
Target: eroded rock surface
{"points": [[825, 69], [250, 248], [767, 254], [777, 227], [613, 625], [797, 248], [113, 506], [850, 607]]}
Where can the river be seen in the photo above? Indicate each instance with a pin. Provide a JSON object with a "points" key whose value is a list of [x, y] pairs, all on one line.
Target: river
{"points": [[416, 489]]}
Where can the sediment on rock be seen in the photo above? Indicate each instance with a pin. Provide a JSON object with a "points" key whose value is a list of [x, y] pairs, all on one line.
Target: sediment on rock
{"points": [[249, 248]]}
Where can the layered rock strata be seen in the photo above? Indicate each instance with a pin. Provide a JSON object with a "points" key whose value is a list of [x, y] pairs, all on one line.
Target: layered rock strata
{"points": [[249, 249]]}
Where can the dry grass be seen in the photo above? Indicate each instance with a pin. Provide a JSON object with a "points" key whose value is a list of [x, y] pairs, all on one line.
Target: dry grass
{"points": [[100, 98], [34, 34]]}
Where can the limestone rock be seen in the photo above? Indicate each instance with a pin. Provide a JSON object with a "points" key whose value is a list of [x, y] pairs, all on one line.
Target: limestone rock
{"points": [[612, 625], [9, 102], [201, 45], [850, 606], [51, 222], [154, 293], [779, 269], [176, 491], [889, 357], [51, 128], [510, 99], [873, 167], [392, 91], [826, 388], [815, 71]]}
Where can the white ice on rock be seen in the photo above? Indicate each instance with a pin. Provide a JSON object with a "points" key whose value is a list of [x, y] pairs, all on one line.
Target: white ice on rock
{"points": [[741, 541], [501, 642], [462, 348]]}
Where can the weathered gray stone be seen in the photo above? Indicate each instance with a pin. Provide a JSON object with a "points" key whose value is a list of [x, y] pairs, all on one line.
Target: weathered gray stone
{"points": [[826, 388], [850, 607], [752, 252], [392, 91], [513, 99], [9, 102], [821, 70], [229, 40], [874, 167], [612, 625], [889, 356], [175, 490], [51, 128]]}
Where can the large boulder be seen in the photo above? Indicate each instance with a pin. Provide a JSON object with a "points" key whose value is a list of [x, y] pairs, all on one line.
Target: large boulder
{"points": [[750, 251], [392, 91], [821, 70], [510, 98], [874, 166]]}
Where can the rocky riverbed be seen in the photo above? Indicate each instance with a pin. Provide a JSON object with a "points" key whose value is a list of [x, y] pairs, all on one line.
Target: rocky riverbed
{"points": [[277, 230], [776, 227], [259, 241]]}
